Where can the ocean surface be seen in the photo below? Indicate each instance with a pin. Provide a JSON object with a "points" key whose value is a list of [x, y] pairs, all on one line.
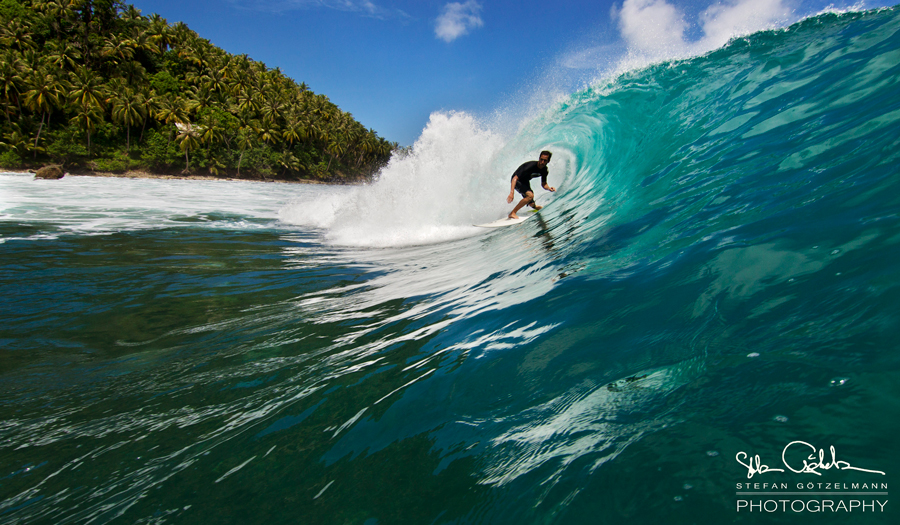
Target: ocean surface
{"points": [[710, 302]]}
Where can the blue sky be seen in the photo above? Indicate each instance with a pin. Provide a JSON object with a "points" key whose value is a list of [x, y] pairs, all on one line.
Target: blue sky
{"points": [[391, 63]]}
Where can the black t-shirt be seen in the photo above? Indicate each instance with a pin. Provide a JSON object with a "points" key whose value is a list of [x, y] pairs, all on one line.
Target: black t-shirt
{"points": [[530, 170]]}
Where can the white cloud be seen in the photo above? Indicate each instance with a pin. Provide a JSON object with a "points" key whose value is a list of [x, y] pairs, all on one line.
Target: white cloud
{"points": [[651, 26], [656, 28], [724, 21], [457, 19]]}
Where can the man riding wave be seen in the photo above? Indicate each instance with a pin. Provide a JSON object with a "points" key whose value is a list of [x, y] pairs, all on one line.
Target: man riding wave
{"points": [[521, 182]]}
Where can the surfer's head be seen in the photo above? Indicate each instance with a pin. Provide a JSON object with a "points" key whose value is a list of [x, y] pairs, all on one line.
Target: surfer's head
{"points": [[545, 157]]}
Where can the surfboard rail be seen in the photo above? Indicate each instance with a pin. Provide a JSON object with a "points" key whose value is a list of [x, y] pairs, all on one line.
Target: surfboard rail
{"points": [[500, 223]]}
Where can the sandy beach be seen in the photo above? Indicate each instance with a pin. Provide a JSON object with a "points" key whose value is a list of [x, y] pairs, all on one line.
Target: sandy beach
{"points": [[139, 174]]}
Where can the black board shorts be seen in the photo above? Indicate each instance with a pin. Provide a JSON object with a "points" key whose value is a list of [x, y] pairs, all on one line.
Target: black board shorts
{"points": [[523, 188]]}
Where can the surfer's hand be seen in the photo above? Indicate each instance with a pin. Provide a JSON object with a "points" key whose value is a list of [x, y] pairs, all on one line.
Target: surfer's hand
{"points": [[510, 197]]}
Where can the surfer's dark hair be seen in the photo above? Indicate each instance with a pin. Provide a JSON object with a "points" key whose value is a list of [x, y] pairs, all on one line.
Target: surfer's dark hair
{"points": [[547, 153]]}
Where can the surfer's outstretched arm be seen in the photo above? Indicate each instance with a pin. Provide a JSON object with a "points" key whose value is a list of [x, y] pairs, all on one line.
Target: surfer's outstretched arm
{"points": [[512, 189]]}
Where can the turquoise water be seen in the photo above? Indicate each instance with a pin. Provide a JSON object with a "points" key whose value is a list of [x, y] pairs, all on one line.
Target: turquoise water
{"points": [[716, 274]]}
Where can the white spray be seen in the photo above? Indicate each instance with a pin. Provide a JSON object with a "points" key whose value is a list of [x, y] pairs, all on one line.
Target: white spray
{"points": [[455, 176]]}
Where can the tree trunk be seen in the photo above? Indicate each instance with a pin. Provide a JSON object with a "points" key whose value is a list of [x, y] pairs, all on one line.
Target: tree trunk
{"points": [[38, 137]]}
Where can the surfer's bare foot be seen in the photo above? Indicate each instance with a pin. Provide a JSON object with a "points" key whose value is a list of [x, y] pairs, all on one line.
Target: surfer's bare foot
{"points": [[512, 216], [536, 207]]}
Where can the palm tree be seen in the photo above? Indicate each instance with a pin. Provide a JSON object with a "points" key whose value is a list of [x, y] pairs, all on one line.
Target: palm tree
{"points": [[16, 34], [160, 32], [188, 140], [11, 81], [43, 94], [271, 111], [184, 39], [88, 118], [17, 141], [212, 131], [248, 102], [215, 164], [32, 59], [152, 101], [131, 15], [268, 134], [8, 109], [144, 40], [56, 12], [215, 81], [171, 109], [288, 161], [87, 90], [118, 49], [63, 55], [133, 72], [366, 146], [246, 136], [294, 130], [237, 72], [128, 108], [203, 97], [335, 149], [210, 136]]}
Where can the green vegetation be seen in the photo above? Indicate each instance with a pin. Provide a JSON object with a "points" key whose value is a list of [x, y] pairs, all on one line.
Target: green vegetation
{"points": [[93, 84]]}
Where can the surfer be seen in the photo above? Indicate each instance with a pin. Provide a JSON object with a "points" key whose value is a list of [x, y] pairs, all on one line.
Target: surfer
{"points": [[521, 182]]}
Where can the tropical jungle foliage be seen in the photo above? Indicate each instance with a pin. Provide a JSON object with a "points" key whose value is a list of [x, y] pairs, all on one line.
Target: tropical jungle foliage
{"points": [[93, 84]]}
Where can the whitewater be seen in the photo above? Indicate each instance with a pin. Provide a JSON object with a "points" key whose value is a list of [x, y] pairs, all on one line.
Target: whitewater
{"points": [[714, 280]]}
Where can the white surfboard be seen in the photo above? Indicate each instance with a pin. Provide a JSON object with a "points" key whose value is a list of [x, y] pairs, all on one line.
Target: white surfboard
{"points": [[502, 222]]}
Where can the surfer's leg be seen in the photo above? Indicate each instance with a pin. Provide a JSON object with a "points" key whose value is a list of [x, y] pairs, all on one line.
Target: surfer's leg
{"points": [[529, 197]]}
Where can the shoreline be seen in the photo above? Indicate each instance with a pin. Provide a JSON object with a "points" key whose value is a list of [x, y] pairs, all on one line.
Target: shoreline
{"points": [[140, 174]]}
